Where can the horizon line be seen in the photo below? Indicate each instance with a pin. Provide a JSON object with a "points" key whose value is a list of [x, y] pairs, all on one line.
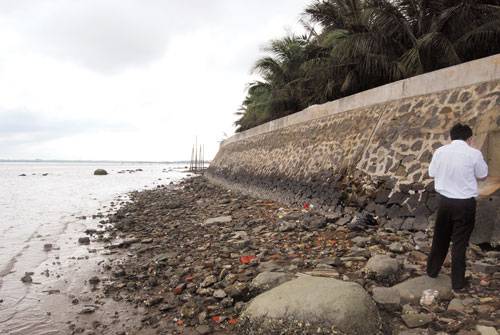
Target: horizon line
{"points": [[88, 161]]}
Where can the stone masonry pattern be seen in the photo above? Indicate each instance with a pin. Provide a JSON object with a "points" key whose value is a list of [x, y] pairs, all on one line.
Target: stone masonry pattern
{"points": [[375, 157]]}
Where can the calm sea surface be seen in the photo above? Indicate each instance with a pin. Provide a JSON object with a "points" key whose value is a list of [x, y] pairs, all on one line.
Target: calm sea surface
{"points": [[37, 209]]}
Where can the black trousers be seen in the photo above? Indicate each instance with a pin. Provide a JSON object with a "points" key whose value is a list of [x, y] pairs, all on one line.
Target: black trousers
{"points": [[454, 223]]}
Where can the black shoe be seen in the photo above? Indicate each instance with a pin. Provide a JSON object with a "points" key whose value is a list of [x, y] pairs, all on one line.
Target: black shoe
{"points": [[460, 291], [432, 275], [464, 288]]}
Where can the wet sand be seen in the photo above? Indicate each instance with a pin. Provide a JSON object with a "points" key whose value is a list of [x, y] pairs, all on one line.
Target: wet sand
{"points": [[59, 290]]}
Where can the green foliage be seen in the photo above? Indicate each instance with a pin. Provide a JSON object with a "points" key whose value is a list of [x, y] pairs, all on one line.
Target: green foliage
{"points": [[361, 44]]}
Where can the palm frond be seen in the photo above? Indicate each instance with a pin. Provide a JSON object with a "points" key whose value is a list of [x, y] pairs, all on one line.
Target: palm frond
{"points": [[480, 42]]}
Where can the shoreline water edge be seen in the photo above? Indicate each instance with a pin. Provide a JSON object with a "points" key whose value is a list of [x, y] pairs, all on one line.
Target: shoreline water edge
{"points": [[46, 259], [191, 258]]}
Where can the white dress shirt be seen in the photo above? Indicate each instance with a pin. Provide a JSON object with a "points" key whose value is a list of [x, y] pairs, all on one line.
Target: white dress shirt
{"points": [[456, 168]]}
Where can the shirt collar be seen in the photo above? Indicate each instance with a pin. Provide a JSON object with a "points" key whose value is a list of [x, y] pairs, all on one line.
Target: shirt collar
{"points": [[460, 142]]}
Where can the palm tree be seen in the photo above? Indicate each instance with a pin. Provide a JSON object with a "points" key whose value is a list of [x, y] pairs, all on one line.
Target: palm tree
{"points": [[362, 55], [439, 33], [278, 93], [366, 43], [255, 109], [282, 71]]}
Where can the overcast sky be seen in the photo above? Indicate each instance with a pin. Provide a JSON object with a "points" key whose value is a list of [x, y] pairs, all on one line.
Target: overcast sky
{"points": [[128, 79]]}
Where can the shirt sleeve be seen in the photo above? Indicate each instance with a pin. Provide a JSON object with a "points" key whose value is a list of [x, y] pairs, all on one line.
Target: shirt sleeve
{"points": [[433, 165], [480, 167]]}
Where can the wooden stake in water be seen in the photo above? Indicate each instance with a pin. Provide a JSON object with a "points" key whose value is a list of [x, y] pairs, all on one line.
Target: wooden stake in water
{"points": [[192, 157], [196, 154]]}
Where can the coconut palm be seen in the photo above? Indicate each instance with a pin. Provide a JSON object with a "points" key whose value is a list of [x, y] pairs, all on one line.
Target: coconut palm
{"points": [[354, 45], [255, 109], [282, 71]]}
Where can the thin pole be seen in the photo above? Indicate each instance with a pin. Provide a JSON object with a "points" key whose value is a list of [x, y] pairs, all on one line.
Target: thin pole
{"points": [[196, 154], [192, 157], [201, 159]]}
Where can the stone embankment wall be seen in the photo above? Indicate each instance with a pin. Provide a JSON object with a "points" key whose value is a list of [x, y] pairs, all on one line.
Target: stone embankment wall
{"points": [[372, 149]]}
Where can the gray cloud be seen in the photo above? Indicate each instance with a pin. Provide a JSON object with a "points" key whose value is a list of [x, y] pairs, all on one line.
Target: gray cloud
{"points": [[111, 35], [174, 69], [24, 127]]}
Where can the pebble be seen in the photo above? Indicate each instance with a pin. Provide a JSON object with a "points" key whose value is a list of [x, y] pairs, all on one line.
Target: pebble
{"points": [[199, 248], [84, 240]]}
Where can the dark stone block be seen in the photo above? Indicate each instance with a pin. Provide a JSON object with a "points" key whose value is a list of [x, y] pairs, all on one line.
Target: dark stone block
{"points": [[397, 198], [408, 223], [413, 201], [389, 183], [414, 167], [394, 211], [482, 88], [426, 156], [417, 146], [382, 196], [422, 210], [380, 211], [388, 164], [419, 104], [420, 223], [430, 187], [394, 223], [436, 145], [432, 123], [404, 108], [483, 105], [371, 207], [404, 147], [417, 176], [405, 188], [433, 202], [453, 97], [465, 96]]}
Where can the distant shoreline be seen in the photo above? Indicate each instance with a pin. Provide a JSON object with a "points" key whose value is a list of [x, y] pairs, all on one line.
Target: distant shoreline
{"points": [[88, 161]]}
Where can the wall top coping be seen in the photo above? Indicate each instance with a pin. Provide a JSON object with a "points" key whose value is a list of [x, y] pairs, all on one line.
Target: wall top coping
{"points": [[477, 71]]}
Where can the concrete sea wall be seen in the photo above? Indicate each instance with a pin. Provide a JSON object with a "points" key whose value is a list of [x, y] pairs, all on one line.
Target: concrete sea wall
{"points": [[372, 149]]}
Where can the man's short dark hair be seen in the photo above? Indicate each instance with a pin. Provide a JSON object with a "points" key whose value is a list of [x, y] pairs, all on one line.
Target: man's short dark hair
{"points": [[460, 132]]}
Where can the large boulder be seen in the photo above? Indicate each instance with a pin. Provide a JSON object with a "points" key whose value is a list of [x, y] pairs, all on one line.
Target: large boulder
{"points": [[100, 172], [267, 280], [314, 302], [411, 290]]}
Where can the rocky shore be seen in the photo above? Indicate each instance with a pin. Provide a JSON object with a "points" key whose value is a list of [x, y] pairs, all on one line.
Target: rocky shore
{"points": [[200, 259]]}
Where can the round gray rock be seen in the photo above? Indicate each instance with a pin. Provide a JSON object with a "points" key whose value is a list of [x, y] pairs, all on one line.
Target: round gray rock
{"points": [[383, 267], [100, 172], [328, 302]]}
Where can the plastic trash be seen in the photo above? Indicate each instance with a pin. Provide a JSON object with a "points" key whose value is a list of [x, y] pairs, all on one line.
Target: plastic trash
{"points": [[247, 259], [429, 296], [362, 222]]}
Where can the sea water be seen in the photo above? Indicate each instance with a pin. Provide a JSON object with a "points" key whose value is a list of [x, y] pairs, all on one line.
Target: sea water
{"points": [[44, 203]]}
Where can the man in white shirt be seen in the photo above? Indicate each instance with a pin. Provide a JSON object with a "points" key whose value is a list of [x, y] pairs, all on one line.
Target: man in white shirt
{"points": [[455, 167]]}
